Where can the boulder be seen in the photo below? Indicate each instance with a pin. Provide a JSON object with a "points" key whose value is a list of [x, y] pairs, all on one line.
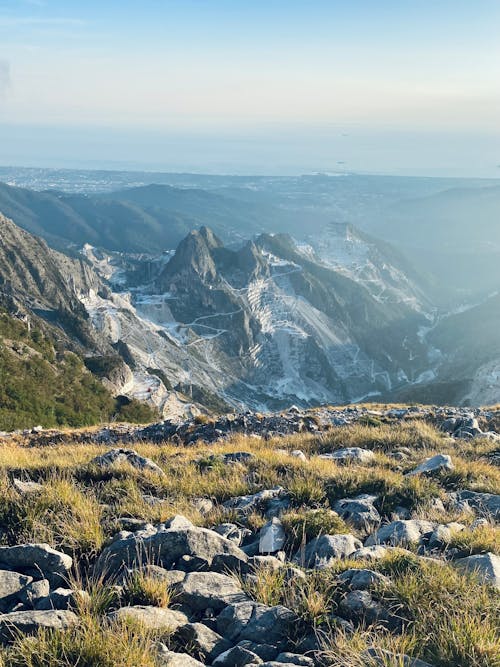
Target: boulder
{"points": [[359, 512], [443, 534], [486, 566], [152, 618], [37, 560], [209, 590], [485, 504], [363, 580], [294, 659], [359, 606], [401, 533], [29, 622], [382, 657], [298, 454], [257, 501], [34, 592], [433, 465], [120, 456], [12, 585], [238, 656], [167, 658], [26, 488], [232, 532], [62, 598], [322, 550], [272, 537], [350, 455], [204, 643], [255, 622], [165, 547]]}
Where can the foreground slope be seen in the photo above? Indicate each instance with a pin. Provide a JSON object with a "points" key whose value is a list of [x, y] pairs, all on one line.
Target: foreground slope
{"points": [[371, 543]]}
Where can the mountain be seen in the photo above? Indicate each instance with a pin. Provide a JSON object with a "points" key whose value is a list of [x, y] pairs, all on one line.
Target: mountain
{"points": [[46, 336], [262, 325], [135, 220]]}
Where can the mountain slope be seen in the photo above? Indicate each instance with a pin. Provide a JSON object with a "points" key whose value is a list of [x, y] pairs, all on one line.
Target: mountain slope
{"points": [[45, 333]]}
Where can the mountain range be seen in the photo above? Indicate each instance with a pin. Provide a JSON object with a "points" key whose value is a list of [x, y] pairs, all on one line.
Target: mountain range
{"points": [[230, 316]]}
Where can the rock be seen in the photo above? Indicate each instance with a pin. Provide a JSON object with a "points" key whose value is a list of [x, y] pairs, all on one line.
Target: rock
{"points": [[26, 488], [36, 560], [254, 621], [359, 606], [272, 537], [62, 598], [232, 532], [204, 643], [29, 622], [322, 550], [237, 457], [238, 656], [350, 455], [401, 533], [169, 577], [363, 580], [264, 651], [120, 456], [298, 454], [485, 504], [295, 659], [373, 553], [153, 618], [382, 658], [433, 465], [486, 566], [12, 585], [257, 501], [359, 512], [177, 522], [209, 590], [443, 534], [165, 547], [167, 658], [33, 592], [203, 505]]}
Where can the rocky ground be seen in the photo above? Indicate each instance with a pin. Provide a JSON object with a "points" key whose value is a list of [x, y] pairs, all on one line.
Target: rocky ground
{"points": [[329, 537]]}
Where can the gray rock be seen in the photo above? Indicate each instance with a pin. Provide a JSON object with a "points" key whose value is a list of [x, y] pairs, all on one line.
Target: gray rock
{"points": [[359, 606], [255, 622], [359, 512], [350, 455], [257, 501], [485, 504], [298, 454], [12, 585], [26, 488], [62, 598], [373, 553], [37, 560], [379, 656], [153, 618], [272, 537], [295, 659], [209, 590], [443, 534], [363, 580], [34, 592], [165, 547], [204, 643], [231, 532], [433, 465], [401, 533], [238, 656], [167, 658], [486, 566], [29, 622], [120, 456], [323, 550]]}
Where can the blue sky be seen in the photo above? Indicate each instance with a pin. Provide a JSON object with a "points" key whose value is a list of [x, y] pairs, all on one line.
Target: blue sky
{"points": [[375, 85]]}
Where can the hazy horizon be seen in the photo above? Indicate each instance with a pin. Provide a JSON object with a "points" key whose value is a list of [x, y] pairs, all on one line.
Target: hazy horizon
{"points": [[261, 87]]}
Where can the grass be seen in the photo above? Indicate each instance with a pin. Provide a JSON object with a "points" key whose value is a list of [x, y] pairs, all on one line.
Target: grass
{"points": [[449, 618]]}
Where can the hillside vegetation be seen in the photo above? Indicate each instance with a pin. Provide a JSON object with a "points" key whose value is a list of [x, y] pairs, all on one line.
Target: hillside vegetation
{"points": [[40, 385]]}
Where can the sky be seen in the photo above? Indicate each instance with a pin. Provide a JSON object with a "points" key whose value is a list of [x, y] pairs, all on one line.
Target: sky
{"points": [[264, 86]]}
